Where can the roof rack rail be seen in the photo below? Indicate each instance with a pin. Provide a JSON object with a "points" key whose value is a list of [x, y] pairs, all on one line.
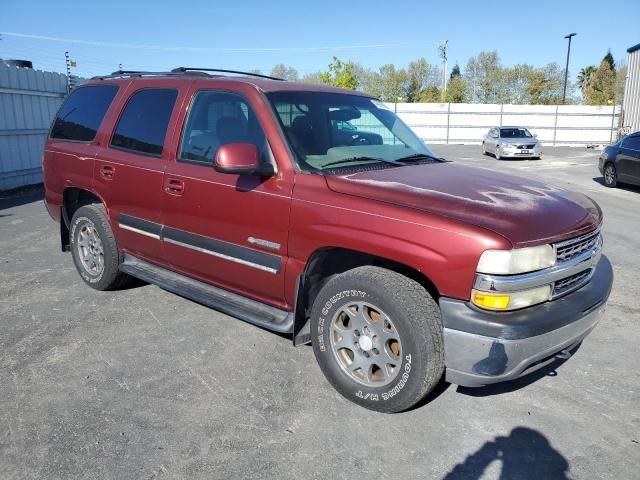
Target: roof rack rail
{"points": [[219, 70], [140, 73]]}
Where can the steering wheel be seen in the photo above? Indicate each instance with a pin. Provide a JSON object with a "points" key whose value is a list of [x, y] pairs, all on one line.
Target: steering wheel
{"points": [[358, 140]]}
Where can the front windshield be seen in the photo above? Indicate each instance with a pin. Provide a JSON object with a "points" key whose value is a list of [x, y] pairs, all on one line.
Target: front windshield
{"points": [[328, 131], [514, 133]]}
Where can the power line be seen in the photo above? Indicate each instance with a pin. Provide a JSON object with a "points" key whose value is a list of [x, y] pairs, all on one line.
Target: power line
{"points": [[208, 49]]}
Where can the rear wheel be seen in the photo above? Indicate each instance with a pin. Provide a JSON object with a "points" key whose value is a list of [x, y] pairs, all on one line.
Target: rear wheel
{"points": [[377, 336], [94, 249], [610, 175]]}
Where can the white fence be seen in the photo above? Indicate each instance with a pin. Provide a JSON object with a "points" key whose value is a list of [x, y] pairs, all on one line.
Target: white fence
{"points": [[467, 123], [28, 101]]}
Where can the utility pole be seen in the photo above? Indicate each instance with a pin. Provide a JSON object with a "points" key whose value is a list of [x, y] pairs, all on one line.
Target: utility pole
{"points": [[68, 64], [566, 70], [442, 47]]}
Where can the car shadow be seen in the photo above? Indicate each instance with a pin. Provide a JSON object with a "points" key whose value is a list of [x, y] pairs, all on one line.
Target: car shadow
{"points": [[524, 454], [621, 186], [549, 370], [21, 196]]}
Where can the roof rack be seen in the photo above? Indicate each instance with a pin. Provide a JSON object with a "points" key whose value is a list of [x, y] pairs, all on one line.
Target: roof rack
{"points": [[219, 70], [139, 73], [201, 72]]}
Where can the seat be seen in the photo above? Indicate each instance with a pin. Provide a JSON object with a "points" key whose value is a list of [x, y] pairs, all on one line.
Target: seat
{"points": [[230, 130]]}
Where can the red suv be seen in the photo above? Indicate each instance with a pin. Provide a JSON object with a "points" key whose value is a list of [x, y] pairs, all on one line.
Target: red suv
{"points": [[316, 212]]}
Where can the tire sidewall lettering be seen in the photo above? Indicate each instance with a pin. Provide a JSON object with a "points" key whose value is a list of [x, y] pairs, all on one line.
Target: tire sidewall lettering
{"points": [[326, 310], [362, 393]]}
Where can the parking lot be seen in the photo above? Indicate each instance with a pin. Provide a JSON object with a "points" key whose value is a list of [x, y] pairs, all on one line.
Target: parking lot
{"points": [[141, 383]]}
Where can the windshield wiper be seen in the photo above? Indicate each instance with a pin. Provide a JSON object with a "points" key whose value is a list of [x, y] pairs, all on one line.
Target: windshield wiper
{"points": [[416, 157], [360, 159]]}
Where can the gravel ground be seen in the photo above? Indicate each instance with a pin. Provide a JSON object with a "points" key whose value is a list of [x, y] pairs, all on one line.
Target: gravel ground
{"points": [[144, 384]]}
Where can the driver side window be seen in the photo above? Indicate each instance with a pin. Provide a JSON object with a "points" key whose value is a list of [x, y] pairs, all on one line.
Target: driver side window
{"points": [[215, 119]]}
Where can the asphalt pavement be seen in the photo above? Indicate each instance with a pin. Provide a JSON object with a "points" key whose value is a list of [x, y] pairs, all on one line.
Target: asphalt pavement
{"points": [[143, 384]]}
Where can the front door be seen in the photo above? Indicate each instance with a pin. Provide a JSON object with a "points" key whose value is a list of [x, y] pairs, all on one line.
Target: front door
{"points": [[224, 229]]}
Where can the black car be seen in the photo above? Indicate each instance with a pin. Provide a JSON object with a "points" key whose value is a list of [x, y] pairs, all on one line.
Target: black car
{"points": [[620, 162]]}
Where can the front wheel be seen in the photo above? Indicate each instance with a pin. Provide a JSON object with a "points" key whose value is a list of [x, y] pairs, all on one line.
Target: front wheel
{"points": [[497, 154], [377, 336], [610, 175]]}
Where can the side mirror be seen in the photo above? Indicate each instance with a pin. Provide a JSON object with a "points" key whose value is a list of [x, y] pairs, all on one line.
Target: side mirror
{"points": [[241, 159]]}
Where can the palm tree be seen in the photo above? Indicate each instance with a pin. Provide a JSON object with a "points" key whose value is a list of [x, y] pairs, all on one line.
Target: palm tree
{"points": [[584, 77]]}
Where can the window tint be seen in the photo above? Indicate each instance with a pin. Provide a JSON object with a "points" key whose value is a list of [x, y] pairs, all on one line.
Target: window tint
{"points": [[143, 124], [215, 119], [80, 116]]}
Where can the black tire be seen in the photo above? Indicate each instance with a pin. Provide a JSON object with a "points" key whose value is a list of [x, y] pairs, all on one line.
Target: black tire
{"points": [[94, 217], [484, 149], [497, 153], [610, 175], [416, 320]]}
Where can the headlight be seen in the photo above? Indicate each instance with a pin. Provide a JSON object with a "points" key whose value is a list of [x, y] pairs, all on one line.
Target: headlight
{"points": [[518, 260], [507, 146], [511, 300]]}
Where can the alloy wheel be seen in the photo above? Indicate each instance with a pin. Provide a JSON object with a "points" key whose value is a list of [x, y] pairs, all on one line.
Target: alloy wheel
{"points": [[90, 250], [366, 344]]}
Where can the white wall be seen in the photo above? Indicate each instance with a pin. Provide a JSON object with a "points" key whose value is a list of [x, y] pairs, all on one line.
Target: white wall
{"points": [[466, 123]]}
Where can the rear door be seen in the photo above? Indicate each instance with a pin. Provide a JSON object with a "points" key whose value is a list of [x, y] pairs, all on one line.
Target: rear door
{"points": [[225, 229], [130, 165]]}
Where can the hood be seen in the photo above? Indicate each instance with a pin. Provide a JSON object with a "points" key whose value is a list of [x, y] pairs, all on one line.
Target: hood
{"points": [[525, 212], [520, 141]]}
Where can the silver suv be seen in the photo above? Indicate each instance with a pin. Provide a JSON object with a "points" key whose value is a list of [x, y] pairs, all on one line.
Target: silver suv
{"points": [[511, 142]]}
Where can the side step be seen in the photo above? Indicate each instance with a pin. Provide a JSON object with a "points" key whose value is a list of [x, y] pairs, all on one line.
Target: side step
{"points": [[251, 311]]}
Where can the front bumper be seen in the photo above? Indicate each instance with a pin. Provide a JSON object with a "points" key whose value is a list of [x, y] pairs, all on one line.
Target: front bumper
{"points": [[483, 347], [518, 153]]}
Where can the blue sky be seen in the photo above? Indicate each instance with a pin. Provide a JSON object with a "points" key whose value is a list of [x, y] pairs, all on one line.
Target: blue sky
{"points": [[258, 34]]}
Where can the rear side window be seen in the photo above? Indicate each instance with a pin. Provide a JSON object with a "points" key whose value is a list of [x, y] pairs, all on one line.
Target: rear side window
{"points": [[80, 116], [143, 124]]}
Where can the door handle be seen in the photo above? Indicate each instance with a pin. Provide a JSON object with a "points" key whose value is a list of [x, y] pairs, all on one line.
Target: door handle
{"points": [[107, 172], [173, 186]]}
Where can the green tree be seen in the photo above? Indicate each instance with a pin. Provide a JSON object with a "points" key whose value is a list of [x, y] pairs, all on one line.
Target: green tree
{"points": [[420, 75], [341, 74], [388, 83], [314, 77], [486, 78], [601, 89], [282, 71], [431, 94], [544, 85], [609, 59], [584, 77], [457, 90], [621, 78], [455, 72]]}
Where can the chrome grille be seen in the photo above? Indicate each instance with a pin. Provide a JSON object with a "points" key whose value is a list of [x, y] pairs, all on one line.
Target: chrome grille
{"points": [[570, 283], [572, 248], [525, 146]]}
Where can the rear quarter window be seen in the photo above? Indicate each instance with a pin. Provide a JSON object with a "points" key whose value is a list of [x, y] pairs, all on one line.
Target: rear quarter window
{"points": [[80, 116]]}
